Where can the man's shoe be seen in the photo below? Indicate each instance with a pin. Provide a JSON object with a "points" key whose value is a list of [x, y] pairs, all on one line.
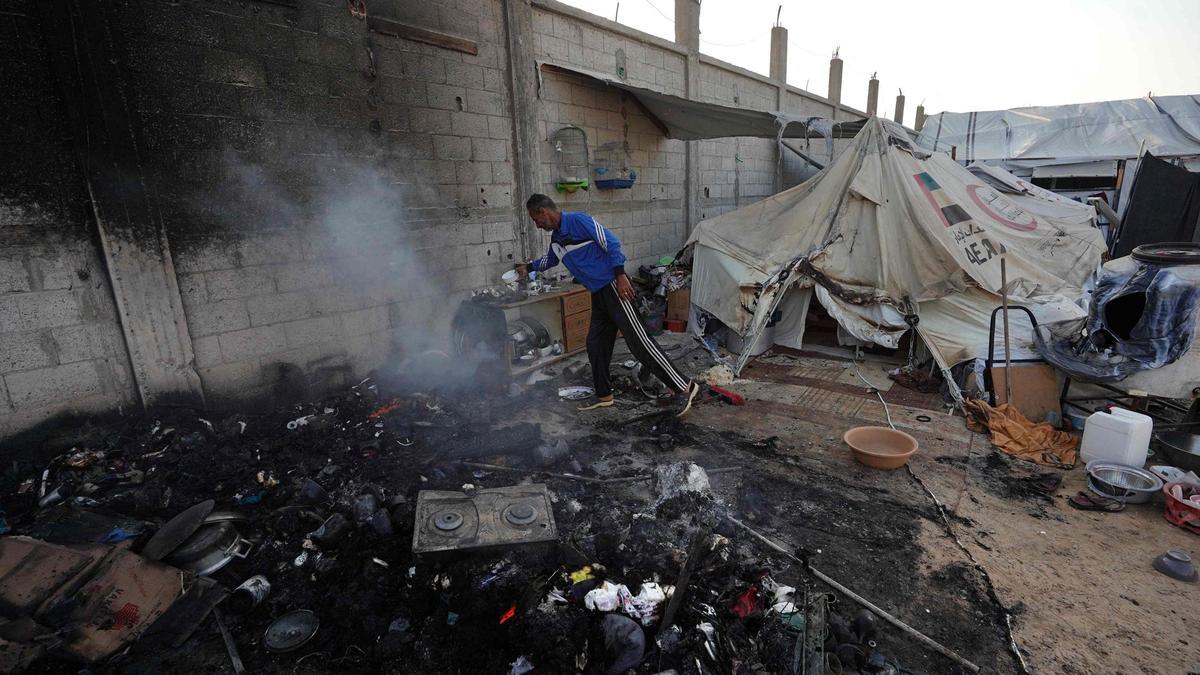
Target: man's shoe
{"points": [[684, 399]]}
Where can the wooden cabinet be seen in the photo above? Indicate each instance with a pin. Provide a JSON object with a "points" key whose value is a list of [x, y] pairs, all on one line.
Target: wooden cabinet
{"points": [[566, 314], [577, 315]]}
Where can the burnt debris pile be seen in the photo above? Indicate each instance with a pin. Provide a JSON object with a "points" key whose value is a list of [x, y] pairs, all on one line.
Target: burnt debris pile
{"points": [[317, 535]]}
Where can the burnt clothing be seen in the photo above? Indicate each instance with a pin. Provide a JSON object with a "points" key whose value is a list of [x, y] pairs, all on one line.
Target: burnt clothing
{"points": [[589, 251], [611, 314]]}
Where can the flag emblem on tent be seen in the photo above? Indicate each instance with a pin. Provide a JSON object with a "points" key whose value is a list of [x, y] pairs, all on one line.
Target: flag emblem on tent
{"points": [[951, 213]]}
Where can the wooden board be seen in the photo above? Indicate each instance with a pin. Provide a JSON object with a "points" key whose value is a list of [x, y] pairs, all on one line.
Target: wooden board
{"points": [[679, 301], [1035, 389], [423, 35]]}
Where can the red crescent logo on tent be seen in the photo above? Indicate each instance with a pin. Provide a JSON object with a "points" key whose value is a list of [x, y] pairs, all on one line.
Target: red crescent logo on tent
{"points": [[973, 190]]}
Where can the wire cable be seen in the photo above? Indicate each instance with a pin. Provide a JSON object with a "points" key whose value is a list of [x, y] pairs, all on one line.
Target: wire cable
{"points": [[875, 389], [660, 12]]}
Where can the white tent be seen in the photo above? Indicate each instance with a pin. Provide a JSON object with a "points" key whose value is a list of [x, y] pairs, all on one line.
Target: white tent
{"points": [[887, 234]]}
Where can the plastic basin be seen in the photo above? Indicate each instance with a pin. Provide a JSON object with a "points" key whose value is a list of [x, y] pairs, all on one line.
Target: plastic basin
{"points": [[880, 447]]}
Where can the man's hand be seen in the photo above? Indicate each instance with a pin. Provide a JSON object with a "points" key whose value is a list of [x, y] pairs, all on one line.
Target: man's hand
{"points": [[624, 288], [522, 270]]}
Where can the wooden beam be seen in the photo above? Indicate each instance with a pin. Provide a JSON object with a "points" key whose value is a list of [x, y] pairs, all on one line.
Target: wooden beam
{"points": [[423, 35]]}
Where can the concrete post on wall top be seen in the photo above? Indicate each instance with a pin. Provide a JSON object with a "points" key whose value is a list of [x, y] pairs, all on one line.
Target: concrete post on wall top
{"points": [[779, 38], [873, 96], [687, 24], [920, 121], [687, 35], [900, 108], [835, 82]]}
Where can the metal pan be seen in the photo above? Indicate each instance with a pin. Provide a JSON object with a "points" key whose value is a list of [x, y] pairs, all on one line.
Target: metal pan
{"points": [[1180, 448]]}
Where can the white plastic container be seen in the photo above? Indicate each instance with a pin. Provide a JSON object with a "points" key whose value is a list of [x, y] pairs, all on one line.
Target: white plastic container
{"points": [[1121, 436]]}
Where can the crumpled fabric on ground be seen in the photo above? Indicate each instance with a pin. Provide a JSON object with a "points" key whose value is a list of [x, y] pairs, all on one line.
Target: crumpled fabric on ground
{"points": [[1015, 435], [624, 642]]}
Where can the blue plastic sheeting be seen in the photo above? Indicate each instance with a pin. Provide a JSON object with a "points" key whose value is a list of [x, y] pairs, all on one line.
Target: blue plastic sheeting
{"points": [[1142, 316]]}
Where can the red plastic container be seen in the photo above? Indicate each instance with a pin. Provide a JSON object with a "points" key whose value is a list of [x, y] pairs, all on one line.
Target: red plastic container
{"points": [[1179, 512], [675, 326]]}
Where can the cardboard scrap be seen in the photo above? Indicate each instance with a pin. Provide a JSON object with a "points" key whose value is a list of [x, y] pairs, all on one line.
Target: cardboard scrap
{"points": [[98, 598]]}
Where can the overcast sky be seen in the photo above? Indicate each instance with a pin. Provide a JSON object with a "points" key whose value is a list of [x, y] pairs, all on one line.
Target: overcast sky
{"points": [[957, 55]]}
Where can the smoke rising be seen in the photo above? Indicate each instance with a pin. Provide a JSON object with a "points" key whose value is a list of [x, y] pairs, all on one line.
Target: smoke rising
{"points": [[350, 219]]}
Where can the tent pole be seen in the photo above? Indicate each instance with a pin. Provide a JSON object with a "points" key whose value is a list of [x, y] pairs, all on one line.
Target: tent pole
{"points": [[1007, 353]]}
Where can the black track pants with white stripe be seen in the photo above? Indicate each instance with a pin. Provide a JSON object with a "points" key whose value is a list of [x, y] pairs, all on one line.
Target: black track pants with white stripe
{"points": [[611, 314]]}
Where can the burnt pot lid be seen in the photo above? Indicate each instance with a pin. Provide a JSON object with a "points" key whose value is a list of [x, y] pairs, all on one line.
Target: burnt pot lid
{"points": [[210, 538]]}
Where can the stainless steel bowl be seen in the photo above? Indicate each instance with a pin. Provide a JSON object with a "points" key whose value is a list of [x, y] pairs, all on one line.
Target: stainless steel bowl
{"points": [[1123, 483]]}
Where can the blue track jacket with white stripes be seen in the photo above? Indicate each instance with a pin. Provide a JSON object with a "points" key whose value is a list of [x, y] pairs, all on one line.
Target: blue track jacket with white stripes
{"points": [[590, 252]]}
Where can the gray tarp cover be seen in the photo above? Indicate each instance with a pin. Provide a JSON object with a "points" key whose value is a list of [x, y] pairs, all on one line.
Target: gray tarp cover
{"points": [[688, 120], [1163, 125]]}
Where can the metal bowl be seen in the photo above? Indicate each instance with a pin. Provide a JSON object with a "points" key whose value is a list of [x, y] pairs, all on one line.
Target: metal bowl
{"points": [[1181, 449], [1123, 483], [1177, 565], [291, 631]]}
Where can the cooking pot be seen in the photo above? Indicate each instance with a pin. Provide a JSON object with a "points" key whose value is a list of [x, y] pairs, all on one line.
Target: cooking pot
{"points": [[210, 548], [1181, 449]]}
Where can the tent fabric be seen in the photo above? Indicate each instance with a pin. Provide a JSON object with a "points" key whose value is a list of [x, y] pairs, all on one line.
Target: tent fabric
{"points": [[688, 120], [1164, 125], [1036, 200], [881, 233], [1163, 207], [958, 324]]}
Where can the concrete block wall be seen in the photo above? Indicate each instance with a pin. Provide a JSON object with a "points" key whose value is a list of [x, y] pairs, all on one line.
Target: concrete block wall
{"points": [[569, 40], [329, 192], [728, 86], [649, 217], [61, 349], [733, 172]]}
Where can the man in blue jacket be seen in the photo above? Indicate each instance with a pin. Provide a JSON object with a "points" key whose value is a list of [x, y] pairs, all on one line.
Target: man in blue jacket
{"points": [[593, 255]]}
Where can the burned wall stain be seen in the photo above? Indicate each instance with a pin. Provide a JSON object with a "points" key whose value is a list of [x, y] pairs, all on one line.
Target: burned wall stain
{"points": [[60, 341]]}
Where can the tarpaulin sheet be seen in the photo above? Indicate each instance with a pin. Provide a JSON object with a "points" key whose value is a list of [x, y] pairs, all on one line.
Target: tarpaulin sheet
{"points": [[1142, 316], [689, 120], [1164, 207], [1164, 125], [883, 230]]}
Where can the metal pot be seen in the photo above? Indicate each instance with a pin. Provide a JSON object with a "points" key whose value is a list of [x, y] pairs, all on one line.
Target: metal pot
{"points": [[211, 548], [1181, 449]]}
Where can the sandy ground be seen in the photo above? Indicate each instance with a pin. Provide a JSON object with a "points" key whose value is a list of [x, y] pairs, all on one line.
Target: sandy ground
{"points": [[1080, 585]]}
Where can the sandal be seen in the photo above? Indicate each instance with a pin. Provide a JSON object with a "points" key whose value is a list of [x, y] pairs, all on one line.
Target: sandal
{"points": [[1046, 483], [598, 404], [1087, 502]]}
